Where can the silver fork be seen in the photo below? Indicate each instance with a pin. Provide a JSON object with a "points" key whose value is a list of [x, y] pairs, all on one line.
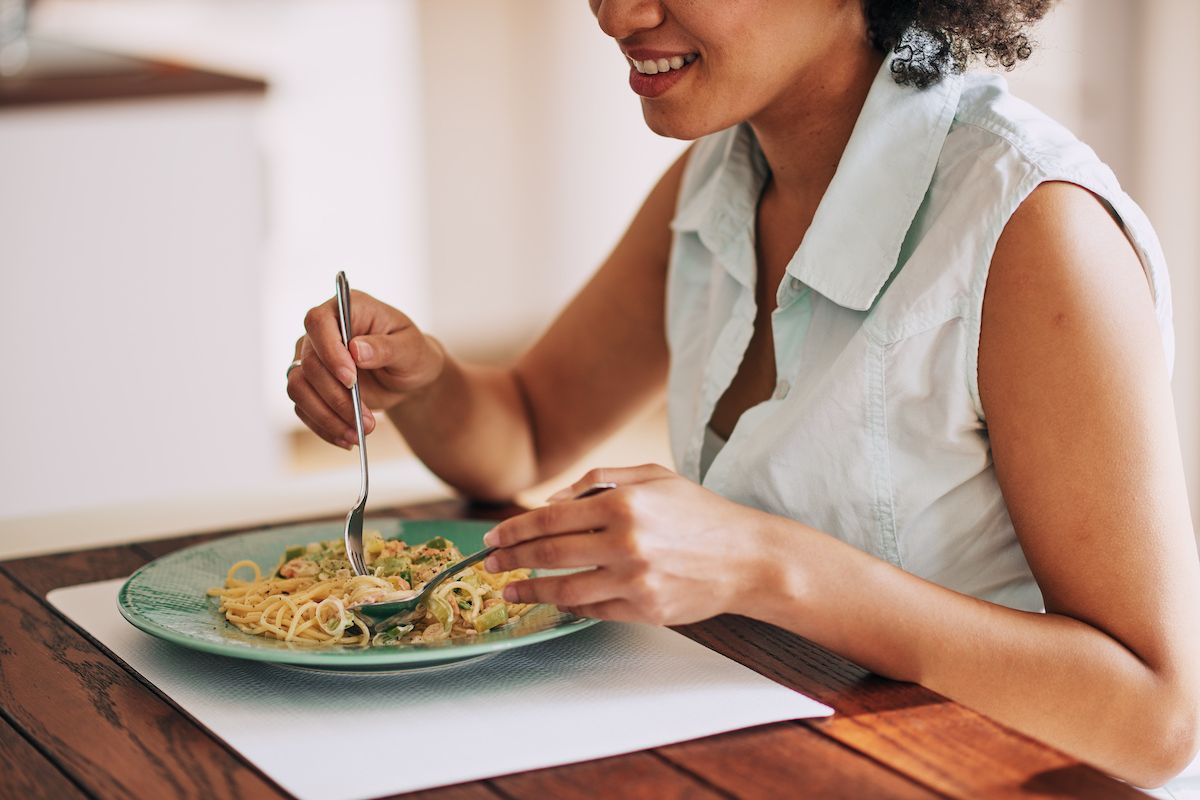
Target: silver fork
{"points": [[354, 520], [389, 614]]}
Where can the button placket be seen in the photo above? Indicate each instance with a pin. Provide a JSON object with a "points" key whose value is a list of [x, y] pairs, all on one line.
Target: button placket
{"points": [[791, 311]]}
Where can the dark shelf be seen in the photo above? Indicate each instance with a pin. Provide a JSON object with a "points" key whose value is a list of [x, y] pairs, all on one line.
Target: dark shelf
{"points": [[58, 72]]}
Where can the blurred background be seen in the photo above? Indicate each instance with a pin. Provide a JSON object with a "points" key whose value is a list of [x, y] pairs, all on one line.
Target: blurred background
{"points": [[181, 179]]}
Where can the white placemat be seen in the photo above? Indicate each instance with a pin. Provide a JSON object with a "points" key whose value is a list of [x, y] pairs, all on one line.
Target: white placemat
{"points": [[610, 689]]}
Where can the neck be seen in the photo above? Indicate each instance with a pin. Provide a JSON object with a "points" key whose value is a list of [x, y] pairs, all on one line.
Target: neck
{"points": [[804, 132]]}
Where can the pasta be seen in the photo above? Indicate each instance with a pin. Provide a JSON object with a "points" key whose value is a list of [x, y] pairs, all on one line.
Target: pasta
{"points": [[311, 595]]}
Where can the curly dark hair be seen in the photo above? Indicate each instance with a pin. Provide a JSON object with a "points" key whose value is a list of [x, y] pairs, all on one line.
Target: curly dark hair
{"points": [[934, 37]]}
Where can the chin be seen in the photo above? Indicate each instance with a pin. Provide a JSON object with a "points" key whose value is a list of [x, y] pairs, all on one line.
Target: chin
{"points": [[676, 125]]}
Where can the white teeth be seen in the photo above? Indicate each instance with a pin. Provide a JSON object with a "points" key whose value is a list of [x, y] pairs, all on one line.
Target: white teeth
{"points": [[652, 66]]}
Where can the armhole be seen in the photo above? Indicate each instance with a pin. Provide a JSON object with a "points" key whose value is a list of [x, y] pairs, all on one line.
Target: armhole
{"points": [[692, 157], [1138, 232]]}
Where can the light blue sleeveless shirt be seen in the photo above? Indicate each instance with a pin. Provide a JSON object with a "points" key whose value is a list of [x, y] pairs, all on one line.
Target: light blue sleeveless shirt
{"points": [[875, 433]]}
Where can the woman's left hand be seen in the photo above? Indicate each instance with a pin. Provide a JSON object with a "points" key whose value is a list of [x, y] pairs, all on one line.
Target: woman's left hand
{"points": [[665, 550]]}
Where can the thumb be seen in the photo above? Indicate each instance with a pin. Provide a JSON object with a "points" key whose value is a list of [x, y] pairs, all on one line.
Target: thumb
{"points": [[404, 360], [371, 351]]}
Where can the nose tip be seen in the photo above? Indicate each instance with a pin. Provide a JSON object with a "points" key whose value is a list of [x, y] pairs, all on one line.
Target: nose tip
{"points": [[621, 19]]}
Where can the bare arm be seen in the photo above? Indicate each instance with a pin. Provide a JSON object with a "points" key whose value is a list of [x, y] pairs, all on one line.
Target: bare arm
{"points": [[490, 431], [493, 432], [1082, 428]]}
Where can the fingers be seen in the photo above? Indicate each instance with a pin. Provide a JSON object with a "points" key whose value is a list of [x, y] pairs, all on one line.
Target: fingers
{"points": [[319, 429], [317, 415], [407, 358], [613, 610], [322, 403], [559, 552], [622, 476], [387, 355], [589, 514], [335, 396], [324, 337], [577, 589]]}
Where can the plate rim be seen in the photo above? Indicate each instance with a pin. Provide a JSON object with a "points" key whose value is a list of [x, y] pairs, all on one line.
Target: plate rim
{"points": [[333, 660]]}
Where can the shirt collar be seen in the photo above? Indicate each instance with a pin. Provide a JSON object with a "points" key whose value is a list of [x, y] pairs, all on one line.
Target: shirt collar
{"points": [[721, 210], [854, 241]]}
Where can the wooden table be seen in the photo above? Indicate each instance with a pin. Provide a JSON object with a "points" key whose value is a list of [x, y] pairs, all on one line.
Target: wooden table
{"points": [[77, 723]]}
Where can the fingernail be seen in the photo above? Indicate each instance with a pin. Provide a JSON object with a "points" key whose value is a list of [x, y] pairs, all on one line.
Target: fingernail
{"points": [[365, 351], [510, 594], [491, 538], [346, 376], [351, 436], [491, 564], [342, 443], [561, 494]]}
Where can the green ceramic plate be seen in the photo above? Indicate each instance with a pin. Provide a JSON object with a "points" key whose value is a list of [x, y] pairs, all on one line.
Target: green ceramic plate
{"points": [[166, 598]]}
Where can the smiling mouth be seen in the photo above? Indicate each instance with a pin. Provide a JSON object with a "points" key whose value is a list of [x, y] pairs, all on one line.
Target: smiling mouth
{"points": [[654, 66]]}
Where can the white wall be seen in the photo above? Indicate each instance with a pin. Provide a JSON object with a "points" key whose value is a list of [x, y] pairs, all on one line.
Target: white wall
{"points": [[340, 136], [1167, 146], [472, 161], [526, 180], [131, 243], [468, 184], [537, 159]]}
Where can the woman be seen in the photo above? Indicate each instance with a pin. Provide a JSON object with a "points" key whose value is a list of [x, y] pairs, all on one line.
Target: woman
{"points": [[916, 346]]}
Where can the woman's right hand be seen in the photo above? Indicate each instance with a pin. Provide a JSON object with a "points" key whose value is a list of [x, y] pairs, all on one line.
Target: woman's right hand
{"points": [[388, 355]]}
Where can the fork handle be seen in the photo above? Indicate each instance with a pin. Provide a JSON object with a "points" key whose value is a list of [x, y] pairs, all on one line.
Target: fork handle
{"points": [[475, 558], [456, 568], [343, 306]]}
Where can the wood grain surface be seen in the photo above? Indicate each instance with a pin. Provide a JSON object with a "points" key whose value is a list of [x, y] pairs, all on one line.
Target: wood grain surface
{"points": [[27, 773], [102, 726], [77, 722]]}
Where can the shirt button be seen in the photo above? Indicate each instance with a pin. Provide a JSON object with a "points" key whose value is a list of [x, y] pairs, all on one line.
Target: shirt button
{"points": [[781, 390], [796, 284]]}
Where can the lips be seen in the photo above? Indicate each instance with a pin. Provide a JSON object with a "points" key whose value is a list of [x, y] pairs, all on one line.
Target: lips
{"points": [[652, 73], [653, 66]]}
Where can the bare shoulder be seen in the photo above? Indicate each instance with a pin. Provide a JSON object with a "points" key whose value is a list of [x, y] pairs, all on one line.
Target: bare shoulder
{"points": [[1065, 284], [1060, 242], [1081, 423]]}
